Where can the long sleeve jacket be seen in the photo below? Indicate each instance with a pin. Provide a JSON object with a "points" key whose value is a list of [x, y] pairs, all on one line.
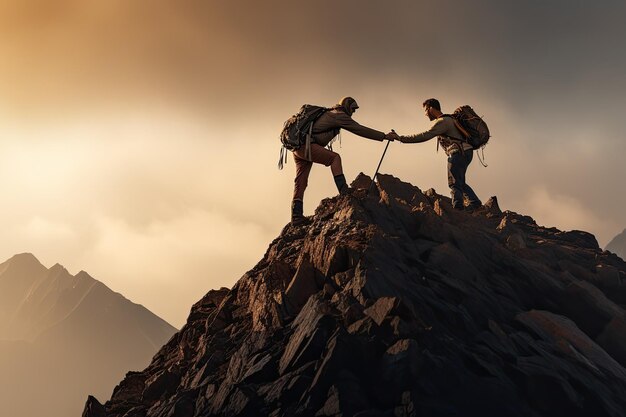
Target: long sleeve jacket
{"points": [[328, 125], [448, 135]]}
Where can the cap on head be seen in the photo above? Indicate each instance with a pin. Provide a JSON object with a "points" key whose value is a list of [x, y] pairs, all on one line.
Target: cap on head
{"points": [[349, 104]]}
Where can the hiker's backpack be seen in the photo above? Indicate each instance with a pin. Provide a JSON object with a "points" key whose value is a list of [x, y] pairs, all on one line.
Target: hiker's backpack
{"points": [[472, 126], [297, 128]]}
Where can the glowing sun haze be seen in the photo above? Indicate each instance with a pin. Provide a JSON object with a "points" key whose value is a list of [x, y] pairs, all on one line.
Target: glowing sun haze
{"points": [[139, 138]]}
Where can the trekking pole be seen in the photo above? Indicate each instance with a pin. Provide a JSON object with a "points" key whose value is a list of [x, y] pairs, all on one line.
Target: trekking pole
{"points": [[377, 168]]}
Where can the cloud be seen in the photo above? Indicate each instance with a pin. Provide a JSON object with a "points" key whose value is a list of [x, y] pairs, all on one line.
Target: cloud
{"points": [[565, 212], [170, 264], [151, 209], [40, 229]]}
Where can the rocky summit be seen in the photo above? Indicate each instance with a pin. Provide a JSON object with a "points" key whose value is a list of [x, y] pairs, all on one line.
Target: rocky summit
{"points": [[394, 304]]}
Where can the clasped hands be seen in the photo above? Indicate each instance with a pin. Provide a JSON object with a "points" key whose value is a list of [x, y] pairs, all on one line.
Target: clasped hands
{"points": [[391, 136]]}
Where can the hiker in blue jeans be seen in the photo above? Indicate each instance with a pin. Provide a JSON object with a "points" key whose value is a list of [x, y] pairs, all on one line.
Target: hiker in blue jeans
{"points": [[460, 153]]}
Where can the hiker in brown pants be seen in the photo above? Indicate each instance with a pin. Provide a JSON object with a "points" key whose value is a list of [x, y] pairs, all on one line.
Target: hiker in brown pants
{"points": [[325, 129], [319, 155]]}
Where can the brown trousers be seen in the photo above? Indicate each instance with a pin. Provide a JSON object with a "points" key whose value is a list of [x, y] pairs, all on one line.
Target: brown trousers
{"points": [[319, 155]]}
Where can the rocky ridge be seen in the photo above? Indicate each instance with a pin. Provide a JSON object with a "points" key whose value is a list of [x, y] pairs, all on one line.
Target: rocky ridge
{"points": [[63, 336], [397, 305]]}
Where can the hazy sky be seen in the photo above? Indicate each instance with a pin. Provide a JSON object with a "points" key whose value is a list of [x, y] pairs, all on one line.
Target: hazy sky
{"points": [[139, 138]]}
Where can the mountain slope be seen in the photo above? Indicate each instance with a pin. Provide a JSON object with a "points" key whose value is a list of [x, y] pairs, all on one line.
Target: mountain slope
{"points": [[397, 305], [618, 245], [17, 276], [63, 336]]}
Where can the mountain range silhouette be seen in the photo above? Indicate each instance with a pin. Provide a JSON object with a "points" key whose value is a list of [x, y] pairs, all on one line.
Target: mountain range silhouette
{"points": [[63, 336]]}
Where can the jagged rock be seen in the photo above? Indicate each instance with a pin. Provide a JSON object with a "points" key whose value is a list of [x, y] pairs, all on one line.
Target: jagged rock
{"points": [[312, 328], [289, 387], [160, 384], [566, 337], [345, 397], [400, 365], [93, 408], [364, 326], [401, 191], [393, 304], [303, 285], [344, 358], [516, 242], [130, 389], [492, 208], [362, 182], [383, 307], [579, 238], [261, 369]]}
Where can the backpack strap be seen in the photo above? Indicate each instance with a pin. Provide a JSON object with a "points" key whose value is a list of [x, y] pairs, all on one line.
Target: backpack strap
{"points": [[309, 135], [282, 158], [463, 131], [307, 146]]}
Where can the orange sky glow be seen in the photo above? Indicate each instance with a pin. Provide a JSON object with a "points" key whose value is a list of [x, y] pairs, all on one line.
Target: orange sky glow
{"points": [[140, 138]]}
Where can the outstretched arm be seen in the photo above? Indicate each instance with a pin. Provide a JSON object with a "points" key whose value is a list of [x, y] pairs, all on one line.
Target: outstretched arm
{"points": [[346, 122], [438, 128]]}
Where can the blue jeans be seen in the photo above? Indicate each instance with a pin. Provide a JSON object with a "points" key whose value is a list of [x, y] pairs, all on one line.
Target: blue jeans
{"points": [[457, 167]]}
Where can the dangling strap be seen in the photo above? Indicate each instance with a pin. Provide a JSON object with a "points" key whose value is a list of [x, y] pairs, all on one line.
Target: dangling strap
{"points": [[282, 159], [482, 149], [307, 148], [333, 140]]}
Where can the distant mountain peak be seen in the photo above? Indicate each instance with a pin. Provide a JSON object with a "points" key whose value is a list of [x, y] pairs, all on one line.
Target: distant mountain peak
{"points": [[84, 276], [33, 298], [618, 245], [57, 266], [24, 255], [22, 259], [51, 321]]}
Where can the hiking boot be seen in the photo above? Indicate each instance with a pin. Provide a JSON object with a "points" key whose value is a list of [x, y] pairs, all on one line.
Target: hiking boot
{"points": [[342, 185], [297, 216]]}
